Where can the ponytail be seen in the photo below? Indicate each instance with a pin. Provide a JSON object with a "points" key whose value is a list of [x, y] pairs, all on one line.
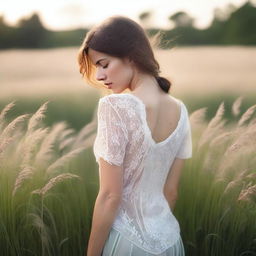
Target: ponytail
{"points": [[164, 83]]}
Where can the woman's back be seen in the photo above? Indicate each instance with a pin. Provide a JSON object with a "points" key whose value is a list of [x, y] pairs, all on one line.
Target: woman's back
{"points": [[124, 138], [162, 114]]}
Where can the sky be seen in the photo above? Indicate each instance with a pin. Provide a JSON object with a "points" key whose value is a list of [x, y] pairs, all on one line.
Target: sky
{"points": [[69, 14]]}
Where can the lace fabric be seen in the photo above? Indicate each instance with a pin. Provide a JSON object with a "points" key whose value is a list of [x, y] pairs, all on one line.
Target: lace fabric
{"points": [[124, 139]]}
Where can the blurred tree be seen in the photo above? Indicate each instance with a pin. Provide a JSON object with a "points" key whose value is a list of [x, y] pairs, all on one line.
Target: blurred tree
{"points": [[184, 31], [8, 34], [145, 15], [31, 32], [4, 32], [240, 27], [231, 25], [3, 25], [181, 19], [64, 38], [216, 30], [224, 13], [145, 19]]}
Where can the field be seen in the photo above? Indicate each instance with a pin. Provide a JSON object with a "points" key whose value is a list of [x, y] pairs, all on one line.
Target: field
{"points": [[201, 76], [48, 174], [193, 70]]}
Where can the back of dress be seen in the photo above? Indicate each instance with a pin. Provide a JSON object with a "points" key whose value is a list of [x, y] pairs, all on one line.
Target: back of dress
{"points": [[124, 139]]}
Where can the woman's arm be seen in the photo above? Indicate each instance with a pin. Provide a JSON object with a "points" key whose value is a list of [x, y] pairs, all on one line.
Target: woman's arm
{"points": [[106, 206], [103, 216], [172, 182]]}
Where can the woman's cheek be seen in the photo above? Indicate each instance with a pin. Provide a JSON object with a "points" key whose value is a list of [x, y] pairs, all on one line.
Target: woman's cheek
{"points": [[112, 72]]}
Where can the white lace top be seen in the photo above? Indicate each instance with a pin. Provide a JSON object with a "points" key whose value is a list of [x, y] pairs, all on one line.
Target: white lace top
{"points": [[124, 139]]}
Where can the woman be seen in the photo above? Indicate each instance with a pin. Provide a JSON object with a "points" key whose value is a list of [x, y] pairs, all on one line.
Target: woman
{"points": [[143, 137]]}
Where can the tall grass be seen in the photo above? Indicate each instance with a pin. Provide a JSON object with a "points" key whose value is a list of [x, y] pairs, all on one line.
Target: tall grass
{"points": [[49, 181], [217, 202], [47, 186]]}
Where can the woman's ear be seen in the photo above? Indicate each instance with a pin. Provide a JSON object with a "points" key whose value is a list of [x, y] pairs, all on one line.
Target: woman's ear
{"points": [[128, 60]]}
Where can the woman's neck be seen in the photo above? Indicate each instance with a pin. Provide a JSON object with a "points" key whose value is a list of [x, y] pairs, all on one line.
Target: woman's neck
{"points": [[144, 83]]}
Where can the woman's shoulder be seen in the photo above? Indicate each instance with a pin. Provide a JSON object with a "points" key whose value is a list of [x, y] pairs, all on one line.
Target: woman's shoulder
{"points": [[175, 99], [119, 100], [124, 105], [179, 101], [117, 96]]}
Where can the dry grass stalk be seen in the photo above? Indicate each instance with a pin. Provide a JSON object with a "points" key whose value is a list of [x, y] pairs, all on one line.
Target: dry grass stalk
{"points": [[31, 143], [65, 133], [37, 117], [236, 106], [215, 125], [54, 181], [67, 139], [233, 162], [67, 143], [243, 174], [217, 145], [218, 116], [11, 143], [210, 133], [238, 181], [85, 132], [46, 148], [5, 144], [88, 142], [247, 138], [251, 128], [221, 139], [198, 116], [58, 129], [247, 115], [6, 110], [253, 122], [248, 194], [234, 184], [62, 161], [25, 174], [9, 129], [251, 176]]}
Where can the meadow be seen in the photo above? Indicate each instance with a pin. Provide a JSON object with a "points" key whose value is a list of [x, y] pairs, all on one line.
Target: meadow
{"points": [[49, 177], [201, 76]]}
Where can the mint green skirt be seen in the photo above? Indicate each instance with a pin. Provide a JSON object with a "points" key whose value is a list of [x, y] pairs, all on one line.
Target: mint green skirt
{"points": [[118, 245]]}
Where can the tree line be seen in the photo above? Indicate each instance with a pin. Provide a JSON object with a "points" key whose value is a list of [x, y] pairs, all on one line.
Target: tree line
{"points": [[235, 26]]}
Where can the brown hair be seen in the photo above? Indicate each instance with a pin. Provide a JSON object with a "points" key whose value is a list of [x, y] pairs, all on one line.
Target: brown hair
{"points": [[120, 37]]}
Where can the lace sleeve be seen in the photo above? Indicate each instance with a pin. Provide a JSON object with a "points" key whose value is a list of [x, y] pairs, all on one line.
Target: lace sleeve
{"points": [[111, 139], [185, 149]]}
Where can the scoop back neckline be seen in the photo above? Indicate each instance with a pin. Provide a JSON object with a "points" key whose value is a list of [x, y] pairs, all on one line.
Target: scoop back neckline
{"points": [[143, 108]]}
